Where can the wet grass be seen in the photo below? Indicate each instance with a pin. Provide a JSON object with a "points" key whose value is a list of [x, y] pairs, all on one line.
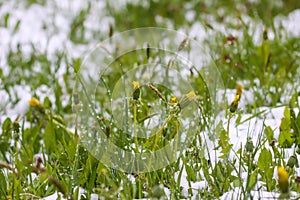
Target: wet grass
{"points": [[40, 152]]}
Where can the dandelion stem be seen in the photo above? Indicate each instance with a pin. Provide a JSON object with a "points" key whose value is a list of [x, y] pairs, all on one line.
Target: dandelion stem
{"points": [[158, 134], [228, 124], [134, 128]]}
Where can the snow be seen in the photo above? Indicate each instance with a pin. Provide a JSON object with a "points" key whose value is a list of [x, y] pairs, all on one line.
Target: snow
{"points": [[237, 193], [184, 183], [80, 195], [290, 24]]}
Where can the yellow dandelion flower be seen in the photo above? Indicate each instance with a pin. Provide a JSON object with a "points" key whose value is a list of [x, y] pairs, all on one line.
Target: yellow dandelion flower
{"points": [[174, 99], [136, 84], [283, 179], [34, 103]]}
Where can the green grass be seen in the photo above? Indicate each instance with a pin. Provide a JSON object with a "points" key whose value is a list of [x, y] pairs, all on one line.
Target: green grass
{"points": [[265, 69]]}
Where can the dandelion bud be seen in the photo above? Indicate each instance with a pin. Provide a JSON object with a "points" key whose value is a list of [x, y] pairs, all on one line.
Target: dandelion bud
{"points": [[283, 179], [137, 91], [233, 106], [293, 161], [235, 102]]}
